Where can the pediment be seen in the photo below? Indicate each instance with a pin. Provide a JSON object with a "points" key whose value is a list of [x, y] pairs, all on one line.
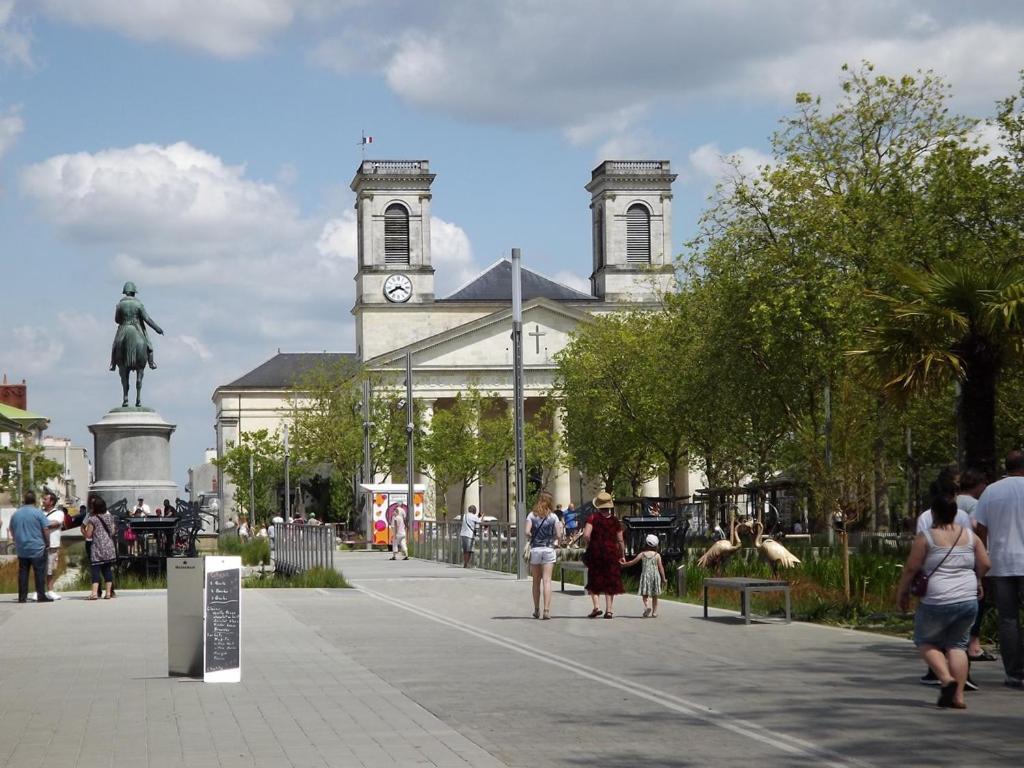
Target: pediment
{"points": [[487, 342]]}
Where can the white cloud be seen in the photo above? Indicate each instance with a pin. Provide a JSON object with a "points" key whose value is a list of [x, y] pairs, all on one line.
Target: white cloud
{"points": [[339, 238], [11, 126], [201, 350], [30, 349], [176, 203], [226, 28], [15, 44], [452, 255], [710, 162]]}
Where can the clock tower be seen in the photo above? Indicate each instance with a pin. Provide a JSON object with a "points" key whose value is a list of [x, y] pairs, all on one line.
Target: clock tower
{"points": [[393, 220]]}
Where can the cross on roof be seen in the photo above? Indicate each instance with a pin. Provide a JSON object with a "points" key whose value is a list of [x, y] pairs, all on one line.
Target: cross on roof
{"points": [[537, 333]]}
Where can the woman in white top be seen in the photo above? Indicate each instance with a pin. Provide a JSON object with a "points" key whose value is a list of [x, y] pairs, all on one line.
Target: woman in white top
{"points": [[543, 531], [954, 560]]}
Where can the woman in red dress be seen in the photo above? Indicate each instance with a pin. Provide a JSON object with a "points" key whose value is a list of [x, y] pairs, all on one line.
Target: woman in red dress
{"points": [[603, 535]]}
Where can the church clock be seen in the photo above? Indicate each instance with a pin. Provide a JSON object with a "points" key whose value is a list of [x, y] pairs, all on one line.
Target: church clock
{"points": [[398, 288]]}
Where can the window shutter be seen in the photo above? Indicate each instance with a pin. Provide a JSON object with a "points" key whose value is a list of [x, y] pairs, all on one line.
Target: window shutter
{"points": [[396, 235], [638, 234]]}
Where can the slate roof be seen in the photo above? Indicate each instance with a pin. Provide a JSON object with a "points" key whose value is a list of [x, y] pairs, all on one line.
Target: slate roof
{"points": [[285, 369], [495, 284]]}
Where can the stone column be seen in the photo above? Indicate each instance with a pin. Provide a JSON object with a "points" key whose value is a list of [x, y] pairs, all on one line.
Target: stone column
{"points": [[651, 487], [561, 486], [430, 489]]}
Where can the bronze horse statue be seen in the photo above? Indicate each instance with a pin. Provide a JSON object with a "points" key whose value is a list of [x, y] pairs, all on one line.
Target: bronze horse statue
{"points": [[132, 350]]}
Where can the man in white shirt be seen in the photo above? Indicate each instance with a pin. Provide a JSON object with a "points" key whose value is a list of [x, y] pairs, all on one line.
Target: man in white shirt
{"points": [[141, 509], [467, 534], [398, 533], [54, 515], [1000, 522]]}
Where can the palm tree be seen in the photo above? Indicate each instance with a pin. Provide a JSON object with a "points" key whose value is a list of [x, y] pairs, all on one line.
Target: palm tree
{"points": [[954, 320]]}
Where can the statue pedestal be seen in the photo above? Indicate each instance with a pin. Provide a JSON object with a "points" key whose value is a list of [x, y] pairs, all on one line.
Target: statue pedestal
{"points": [[132, 449]]}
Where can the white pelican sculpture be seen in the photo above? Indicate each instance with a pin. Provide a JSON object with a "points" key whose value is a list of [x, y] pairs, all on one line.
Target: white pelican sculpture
{"points": [[776, 554], [719, 553]]}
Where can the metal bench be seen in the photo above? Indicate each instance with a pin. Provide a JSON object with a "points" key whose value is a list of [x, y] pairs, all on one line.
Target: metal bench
{"points": [[745, 587], [572, 565]]}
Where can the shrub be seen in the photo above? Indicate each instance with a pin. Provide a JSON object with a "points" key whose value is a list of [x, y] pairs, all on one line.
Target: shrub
{"points": [[323, 578]]}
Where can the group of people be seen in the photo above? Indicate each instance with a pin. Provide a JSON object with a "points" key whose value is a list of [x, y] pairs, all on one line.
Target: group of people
{"points": [[604, 557], [141, 509], [971, 531], [35, 532]]}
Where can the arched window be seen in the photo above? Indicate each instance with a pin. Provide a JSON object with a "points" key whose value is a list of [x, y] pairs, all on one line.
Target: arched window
{"points": [[396, 235], [638, 234]]}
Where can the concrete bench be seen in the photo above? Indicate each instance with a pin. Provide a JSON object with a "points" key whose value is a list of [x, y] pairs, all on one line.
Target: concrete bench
{"points": [[572, 565], [745, 587]]}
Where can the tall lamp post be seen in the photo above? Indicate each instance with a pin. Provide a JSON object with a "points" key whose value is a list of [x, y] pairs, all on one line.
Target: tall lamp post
{"points": [[252, 491], [367, 461], [287, 480], [518, 416], [410, 449]]}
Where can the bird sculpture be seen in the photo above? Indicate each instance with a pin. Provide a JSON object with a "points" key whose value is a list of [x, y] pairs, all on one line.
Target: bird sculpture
{"points": [[776, 554], [718, 554]]}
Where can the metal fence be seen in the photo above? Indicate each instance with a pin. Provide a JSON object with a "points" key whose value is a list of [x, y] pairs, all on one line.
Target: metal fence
{"points": [[301, 547], [494, 548]]}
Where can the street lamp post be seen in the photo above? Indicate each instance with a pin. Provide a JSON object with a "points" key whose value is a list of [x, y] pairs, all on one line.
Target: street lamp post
{"points": [[410, 449], [517, 397], [287, 480], [367, 460]]}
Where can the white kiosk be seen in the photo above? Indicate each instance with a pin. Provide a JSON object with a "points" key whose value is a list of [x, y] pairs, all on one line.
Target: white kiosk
{"points": [[204, 618]]}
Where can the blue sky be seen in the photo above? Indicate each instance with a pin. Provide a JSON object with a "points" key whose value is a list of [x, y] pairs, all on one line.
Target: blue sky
{"points": [[203, 149]]}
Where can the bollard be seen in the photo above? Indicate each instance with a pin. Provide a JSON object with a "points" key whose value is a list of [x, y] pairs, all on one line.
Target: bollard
{"points": [[681, 581]]}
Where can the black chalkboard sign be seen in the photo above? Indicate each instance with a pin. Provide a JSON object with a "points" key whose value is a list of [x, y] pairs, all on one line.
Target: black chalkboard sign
{"points": [[222, 620]]}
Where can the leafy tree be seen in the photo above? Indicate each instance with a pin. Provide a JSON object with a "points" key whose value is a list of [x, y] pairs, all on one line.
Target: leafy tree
{"points": [[465, 443], [32, 456], [962, 320], [267, 454], [543, 446]]}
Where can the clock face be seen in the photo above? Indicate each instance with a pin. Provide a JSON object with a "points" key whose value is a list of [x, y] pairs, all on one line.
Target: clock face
{"points": [[398, 288]]}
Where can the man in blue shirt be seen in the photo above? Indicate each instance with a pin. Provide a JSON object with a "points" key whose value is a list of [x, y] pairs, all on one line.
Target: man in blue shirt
{"points": [[29, 529]]}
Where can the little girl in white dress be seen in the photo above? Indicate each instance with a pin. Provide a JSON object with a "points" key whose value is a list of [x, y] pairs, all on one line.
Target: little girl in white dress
{"points": [[652, 575]]}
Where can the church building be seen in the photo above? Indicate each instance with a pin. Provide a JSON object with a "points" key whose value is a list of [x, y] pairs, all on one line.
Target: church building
{"points": [[464, 337]]}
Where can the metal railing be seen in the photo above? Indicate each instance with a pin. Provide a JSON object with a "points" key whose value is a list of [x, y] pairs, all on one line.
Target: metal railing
{"points": [[299, 547], [494, 548]]}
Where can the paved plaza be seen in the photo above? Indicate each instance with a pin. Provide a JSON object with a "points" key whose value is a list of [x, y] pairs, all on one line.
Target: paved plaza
{"points": [[425, 664]]}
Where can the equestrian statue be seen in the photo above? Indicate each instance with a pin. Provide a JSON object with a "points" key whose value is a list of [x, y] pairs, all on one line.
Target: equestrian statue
{"points": [[132, 350]]}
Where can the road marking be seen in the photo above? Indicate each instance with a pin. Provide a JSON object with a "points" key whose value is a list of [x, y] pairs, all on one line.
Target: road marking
{"points": [[779, 741]]}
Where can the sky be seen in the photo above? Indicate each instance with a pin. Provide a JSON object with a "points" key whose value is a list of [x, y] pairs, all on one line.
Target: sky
{"points": [[203, 149]]}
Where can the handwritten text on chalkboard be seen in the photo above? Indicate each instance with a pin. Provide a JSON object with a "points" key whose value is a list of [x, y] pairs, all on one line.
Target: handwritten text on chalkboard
{"points": [[222, 646]]}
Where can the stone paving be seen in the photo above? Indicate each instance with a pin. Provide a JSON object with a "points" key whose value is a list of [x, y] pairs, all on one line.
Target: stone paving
{"points": [[425, 664]]}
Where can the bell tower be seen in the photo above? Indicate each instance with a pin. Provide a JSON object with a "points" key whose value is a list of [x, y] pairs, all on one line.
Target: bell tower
{"points": [[393, 219], [631, 214]]}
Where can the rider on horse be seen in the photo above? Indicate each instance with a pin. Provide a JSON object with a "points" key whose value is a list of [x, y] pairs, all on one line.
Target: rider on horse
{"points": [[131, 347]]}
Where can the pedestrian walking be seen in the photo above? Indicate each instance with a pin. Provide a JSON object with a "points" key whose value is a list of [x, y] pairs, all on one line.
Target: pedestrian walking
{"points": [[467, 533], [1000, 521], [945, 567], [602, 535], [652, 574], [29, 529], [543, 531], [398, 534], [101, 528]]}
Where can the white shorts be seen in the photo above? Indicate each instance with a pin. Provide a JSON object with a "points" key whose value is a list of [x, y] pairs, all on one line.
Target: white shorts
{"points": [[542, 555], [51, 561]]}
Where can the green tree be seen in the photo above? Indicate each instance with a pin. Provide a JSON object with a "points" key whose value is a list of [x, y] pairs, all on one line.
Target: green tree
{"points": [[266, 452], [33, 460], [465, 443], [959, 320], [543, 446]]}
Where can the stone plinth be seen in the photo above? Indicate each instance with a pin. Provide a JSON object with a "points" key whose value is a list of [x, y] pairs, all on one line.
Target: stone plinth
{"points": [[132, 448]]}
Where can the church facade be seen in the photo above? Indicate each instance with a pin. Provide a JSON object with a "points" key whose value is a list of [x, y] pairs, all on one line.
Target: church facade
{"points": [[464, 338]]}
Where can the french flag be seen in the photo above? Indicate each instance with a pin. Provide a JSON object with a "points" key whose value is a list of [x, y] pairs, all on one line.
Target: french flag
{"points": [[367, 140]]}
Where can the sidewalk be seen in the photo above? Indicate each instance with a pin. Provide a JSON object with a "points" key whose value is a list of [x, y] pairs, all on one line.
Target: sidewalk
{"points": [[425, 664]]}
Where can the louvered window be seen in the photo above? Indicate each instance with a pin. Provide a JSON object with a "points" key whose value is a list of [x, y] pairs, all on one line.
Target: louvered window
{"points": [[396, 235], [638, 234]]}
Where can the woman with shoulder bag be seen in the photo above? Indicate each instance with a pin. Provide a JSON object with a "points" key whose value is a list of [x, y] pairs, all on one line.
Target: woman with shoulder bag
{"points": [[543, 532], [944, 569], [101, 527]]}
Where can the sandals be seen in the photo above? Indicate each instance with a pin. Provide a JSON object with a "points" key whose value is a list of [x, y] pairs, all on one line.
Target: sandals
{"points": [[547, 616], [983, 656], [946, 694], [594, 613], [92, 597], [647, 612], [536, 614], [609, 615], [654, 614]]}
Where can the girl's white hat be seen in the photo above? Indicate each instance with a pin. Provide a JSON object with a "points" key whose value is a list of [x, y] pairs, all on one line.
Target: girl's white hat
{"points": [[652, 540]]}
